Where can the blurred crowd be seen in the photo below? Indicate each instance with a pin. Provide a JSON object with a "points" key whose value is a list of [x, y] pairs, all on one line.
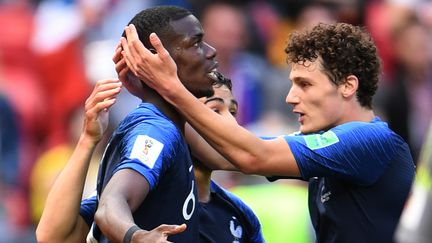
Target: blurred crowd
{"points": [[52, 51]]}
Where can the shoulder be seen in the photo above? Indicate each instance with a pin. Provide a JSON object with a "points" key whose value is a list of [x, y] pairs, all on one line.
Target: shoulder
{"points": [[234, 200], [147, 123]]}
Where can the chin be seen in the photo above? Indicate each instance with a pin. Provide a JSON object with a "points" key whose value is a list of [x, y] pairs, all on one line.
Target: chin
{"points": [[306, 130]]}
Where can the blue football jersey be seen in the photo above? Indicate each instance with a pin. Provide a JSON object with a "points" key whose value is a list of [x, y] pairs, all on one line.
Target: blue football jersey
{"points": [[225, 218], [88, 209], [360, 174], [147, 142]]}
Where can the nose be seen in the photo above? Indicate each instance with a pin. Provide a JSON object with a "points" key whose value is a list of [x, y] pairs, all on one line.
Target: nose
{"points": [[292, 96], [210, 51]]}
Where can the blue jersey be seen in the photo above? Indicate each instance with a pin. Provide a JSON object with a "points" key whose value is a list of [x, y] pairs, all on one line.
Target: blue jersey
{"points": [[147, 142], [225, 218], [88, 209], [360, 174]]}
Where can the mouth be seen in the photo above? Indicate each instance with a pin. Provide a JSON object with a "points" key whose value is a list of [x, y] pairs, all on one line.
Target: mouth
{"points": [[300, 116], [212, 74]]}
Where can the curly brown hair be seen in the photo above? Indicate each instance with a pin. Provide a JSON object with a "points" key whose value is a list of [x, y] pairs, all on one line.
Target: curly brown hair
{"points": [[343, 50]]}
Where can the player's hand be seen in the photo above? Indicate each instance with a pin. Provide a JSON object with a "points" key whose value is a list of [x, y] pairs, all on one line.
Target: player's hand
{"points": [[157, 235], [120, 64], [97, 104], [157, 69]]}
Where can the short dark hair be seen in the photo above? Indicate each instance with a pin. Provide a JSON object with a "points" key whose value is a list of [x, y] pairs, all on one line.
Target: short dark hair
{"points": [[344, 50], [157, 19], [222, 80]]}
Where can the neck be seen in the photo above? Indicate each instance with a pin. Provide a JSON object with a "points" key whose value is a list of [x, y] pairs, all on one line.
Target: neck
{"points": [[151, 96], [202, 178], [359, 113]]}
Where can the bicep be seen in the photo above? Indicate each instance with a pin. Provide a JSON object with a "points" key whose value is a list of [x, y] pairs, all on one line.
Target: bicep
{"points": [[127, 185]]}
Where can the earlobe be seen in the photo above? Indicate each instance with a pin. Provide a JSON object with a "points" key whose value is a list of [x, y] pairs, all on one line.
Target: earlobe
{"points": [[350, 86]]}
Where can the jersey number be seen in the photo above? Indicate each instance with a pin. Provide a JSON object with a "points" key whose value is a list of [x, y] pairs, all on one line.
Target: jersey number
{"points": [[190, 199]]}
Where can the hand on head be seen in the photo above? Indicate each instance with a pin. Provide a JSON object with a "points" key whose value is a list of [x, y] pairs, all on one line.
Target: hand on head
{"points": [[158, 70]]}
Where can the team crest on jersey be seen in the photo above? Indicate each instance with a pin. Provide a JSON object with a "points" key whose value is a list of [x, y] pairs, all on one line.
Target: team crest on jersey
{"points": [[317, 141], [236, 231], [146, 149]]}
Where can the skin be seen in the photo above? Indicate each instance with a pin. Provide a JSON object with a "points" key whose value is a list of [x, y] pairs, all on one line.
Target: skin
{"points": [[127, 189], [224, 104], [60, 221], [65, 224], [312, 95]]}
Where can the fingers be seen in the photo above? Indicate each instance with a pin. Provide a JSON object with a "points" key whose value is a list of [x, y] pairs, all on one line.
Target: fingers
{"points": [[171, 229], [134, 50], [117, 53], [92, 112], [101, 84], [136, 46], [127, 57], [122, 69], [157, 44], [103, 95], [120, 63]]}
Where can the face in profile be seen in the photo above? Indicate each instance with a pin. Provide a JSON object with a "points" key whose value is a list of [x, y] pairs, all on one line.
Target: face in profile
{"points": [[222, 101], [195, 58], [315, 99]]}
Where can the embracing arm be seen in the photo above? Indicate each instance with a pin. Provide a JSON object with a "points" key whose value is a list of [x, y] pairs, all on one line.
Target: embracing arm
{"points": [[246, 151], [206, 153], [124, 193], [61, 221]]}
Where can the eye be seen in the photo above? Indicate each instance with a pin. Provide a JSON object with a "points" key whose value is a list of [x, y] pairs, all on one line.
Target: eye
{"points": [[233, 113], [304, 84], [216, 110]]}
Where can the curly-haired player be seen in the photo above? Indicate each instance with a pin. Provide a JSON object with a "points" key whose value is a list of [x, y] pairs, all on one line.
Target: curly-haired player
{"points": [[359, 171]]}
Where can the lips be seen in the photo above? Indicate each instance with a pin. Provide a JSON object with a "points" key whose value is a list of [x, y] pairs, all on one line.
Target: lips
{"points": [[300, 114], [212, 71]]}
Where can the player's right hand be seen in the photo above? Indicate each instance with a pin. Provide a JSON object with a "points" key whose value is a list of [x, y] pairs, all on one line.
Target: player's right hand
{"points": [[159, 234]]}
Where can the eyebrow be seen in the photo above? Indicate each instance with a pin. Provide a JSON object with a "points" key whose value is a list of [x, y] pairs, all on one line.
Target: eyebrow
{"points": [[218, 99], [198, 36], [214, 99]]}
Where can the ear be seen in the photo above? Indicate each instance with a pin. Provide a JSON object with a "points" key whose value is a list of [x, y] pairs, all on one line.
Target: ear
{"points": [[350, 87]]}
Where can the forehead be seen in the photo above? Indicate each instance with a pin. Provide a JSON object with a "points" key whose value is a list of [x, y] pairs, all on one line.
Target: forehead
{"points": [[222, 92], [307, 69], [187, 27]]}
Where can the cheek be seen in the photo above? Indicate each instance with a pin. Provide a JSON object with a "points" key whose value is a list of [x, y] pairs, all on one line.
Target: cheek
{"points": [[324, 110]]}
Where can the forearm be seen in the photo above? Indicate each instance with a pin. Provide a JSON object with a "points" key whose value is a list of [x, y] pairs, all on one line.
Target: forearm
{"points": [[225, 135], [114, 218], [61, 213], [123, 194], [205, 153]]}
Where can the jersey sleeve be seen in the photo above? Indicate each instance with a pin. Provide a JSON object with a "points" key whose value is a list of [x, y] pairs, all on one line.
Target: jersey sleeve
{"points": [[148, 152], [358, 152], [88, 209]]}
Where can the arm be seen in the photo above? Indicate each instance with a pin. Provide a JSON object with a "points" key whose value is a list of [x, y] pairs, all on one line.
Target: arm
{"points": [[60, 221], [200, 148], [205, 153], [246, 151], [123, 194]]}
